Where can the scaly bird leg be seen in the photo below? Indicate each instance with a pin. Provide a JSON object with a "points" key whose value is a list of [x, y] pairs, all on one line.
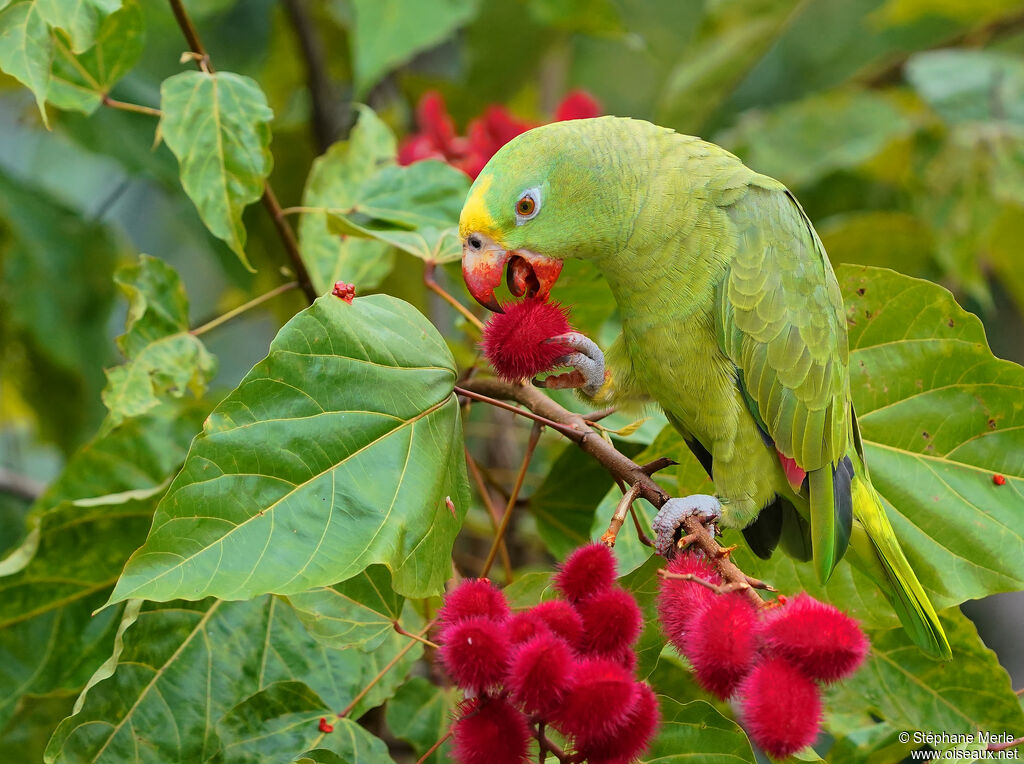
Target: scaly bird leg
{"points": [[588, 372], [669, 520]]}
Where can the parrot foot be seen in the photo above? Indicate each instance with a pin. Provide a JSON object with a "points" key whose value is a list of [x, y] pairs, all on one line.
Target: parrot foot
{"points": [[669, 520], [588, 365]]}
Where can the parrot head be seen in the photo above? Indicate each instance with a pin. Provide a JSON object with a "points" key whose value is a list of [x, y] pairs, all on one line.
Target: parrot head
{"points": [[547, 195]]}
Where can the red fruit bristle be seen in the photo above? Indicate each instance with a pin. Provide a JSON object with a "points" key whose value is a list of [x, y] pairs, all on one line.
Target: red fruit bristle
{"points": [[523, 627], [722, 642], [588, 570], [680, 600], [561, 618], [600, 700], [818, 638], [473, 597], [631, 739], [541, 673], [611, 621], [476, 653], [513, 341], [491, 733], [781, 707]]}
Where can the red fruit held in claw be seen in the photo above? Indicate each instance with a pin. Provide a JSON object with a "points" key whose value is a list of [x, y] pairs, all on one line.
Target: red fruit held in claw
{"points": [[629, 740], [491, 732], [588, 570], [611, 621], [781, 707], [818, 638], [722, 642], [541, 673], [514, 341], [473, 597], [600, 700], [680, 600], [476, 653]]}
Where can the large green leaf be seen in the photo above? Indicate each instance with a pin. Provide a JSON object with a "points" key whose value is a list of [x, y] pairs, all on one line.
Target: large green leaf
{"points": [[282, 719], [389, 32], [697, 731], [179, 668], [939, 416], [335, 452], [26, 49], [79, 81], [359, 612], [910, 691], [332, 184], [218, 125], [163, 358], [414, 208], [421, 713], [81, 19]]}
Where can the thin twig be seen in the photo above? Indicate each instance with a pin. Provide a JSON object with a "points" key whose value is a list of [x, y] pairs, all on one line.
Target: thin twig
{"points": [[422, 640], [1004, 746], [435, 746], [428, 278], [531, 446], [547, 744], [269, 200], [327, 118], [485, 495], [615, 525], [657, 465], [254, 302], [597, 416], [567, 431], [125, 106], [383, 672], [716, 588], [641, 536]]}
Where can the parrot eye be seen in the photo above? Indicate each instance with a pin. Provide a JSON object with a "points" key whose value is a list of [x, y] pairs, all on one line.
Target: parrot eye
{"points": [[528, 205]]}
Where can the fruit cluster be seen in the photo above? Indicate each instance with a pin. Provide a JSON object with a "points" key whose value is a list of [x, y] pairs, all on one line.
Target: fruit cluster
{"points": [[565, 663], [771, 659]]}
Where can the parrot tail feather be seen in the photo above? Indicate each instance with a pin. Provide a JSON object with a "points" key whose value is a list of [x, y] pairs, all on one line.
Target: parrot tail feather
{"points": [[908, 597]]}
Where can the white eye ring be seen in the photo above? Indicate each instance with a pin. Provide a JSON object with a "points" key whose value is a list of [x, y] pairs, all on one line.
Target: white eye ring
{"points": [[533, 194]]}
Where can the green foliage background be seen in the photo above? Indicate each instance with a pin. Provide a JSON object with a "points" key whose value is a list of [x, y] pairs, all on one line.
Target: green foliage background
{"points": [[898, 123]]}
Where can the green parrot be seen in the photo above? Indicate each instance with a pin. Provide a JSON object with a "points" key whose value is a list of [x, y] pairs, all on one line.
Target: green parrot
{"points": [[732, 322]]}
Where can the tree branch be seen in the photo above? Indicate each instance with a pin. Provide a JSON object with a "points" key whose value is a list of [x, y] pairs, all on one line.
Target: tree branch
{"points": [[620, 466], [328, 113], [284, 230]]}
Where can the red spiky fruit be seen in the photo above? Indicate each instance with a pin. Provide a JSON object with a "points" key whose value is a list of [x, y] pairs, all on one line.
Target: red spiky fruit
{"points": [[599, 701], [680, 600], [473, 597], [631, 739], [561, 618], [491, 732], [611, 621], [722, 642], [781, 707], [541, 673], [522, 627], [816, 637], [588, 570], [514, 341], [476, 653]]}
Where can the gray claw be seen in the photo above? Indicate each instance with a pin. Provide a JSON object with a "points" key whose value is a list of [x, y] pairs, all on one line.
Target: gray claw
{"points": [[588, 359], [669, 520]]}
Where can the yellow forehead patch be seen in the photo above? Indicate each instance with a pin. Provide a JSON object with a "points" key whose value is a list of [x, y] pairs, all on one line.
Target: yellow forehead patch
{"points": [[475, 217]]}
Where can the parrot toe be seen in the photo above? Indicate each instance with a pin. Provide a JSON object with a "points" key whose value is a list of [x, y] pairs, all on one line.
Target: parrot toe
{"points": [[669, 520], [587, 362]]}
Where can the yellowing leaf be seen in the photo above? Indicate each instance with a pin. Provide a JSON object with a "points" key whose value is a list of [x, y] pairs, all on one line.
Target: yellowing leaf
{"points": [[218, 125]]}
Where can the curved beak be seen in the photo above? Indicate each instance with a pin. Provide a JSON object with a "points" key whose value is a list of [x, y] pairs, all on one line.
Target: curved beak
{"points": [[483, 264]]}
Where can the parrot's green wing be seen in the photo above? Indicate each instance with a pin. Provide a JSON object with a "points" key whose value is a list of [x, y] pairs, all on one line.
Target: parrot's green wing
{"points": [[781, 321]]}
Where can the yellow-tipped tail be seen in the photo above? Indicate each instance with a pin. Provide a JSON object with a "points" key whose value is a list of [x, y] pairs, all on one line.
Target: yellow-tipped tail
{"points": [[878, 550]]}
